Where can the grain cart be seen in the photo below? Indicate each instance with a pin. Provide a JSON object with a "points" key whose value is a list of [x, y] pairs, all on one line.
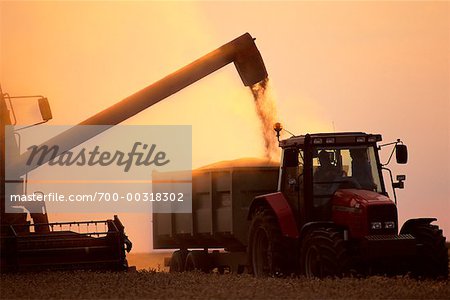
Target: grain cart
{"points": [[324, 212], [44, 245]]}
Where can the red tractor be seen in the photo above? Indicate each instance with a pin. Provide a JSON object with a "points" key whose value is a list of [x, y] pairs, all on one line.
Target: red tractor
{"points": [[332, 215]]}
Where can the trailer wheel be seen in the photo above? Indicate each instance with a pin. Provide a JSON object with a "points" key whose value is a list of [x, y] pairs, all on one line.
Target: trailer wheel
{"points": [[177, 261], [197, 260], [432, 260], [266, 249], [324, 254]]}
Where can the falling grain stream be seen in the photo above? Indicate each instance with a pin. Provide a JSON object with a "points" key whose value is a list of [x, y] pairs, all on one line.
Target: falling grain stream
{"points": [[267, 114]]}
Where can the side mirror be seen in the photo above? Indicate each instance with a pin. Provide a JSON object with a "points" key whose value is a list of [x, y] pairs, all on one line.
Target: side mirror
{"points": [[290, 158], [44, 107], [401, 153]]}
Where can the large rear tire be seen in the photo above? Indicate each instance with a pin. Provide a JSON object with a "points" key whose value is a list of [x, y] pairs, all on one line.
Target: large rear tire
{"points": [[267, 251], [432, 256], [324, 254]]}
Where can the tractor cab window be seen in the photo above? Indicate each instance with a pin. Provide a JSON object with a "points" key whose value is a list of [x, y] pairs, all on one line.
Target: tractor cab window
{"points": [[336, 168], [364, 169], [292, 169]]}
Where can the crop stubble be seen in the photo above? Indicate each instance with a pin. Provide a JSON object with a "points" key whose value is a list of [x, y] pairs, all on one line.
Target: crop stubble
{"points": [[148, 284]]}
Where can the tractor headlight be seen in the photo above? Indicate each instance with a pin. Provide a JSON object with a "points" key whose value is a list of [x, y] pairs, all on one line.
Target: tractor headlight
{"points": [[389, 225], [375, 225]]}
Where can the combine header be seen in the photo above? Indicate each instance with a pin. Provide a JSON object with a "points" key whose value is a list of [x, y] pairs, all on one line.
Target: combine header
{"points": [[68, 245]]}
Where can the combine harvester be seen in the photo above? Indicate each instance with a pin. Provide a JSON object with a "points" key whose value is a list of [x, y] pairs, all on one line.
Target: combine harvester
{"points": [[42, 245]]}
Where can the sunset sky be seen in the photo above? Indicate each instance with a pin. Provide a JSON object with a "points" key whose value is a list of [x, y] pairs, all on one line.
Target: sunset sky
{"points": [[379, 67]]}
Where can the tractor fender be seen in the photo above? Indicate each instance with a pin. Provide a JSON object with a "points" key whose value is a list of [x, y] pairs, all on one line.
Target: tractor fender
{"points": [[313, 225], [282, 210], [406, 228]]}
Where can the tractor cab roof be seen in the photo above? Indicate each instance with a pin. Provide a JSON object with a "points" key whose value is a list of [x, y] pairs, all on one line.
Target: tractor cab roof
{"points": [[331, 139]]}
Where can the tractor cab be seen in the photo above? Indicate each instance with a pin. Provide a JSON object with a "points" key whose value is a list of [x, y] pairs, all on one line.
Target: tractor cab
{"points": [[317, 168]]}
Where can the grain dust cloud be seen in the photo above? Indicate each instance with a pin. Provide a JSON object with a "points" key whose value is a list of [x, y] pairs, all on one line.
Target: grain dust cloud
{"points": [[267, 114]]}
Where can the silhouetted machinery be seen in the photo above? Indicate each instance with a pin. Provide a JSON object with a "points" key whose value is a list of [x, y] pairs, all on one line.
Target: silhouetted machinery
{"points": [[323, 211], [38, 244]]}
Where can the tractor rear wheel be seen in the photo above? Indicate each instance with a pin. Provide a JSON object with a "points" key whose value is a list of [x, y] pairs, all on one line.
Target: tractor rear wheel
{"points": [[324, 254], [177, 261], [197, 260], [267, 251], [432, 257]]}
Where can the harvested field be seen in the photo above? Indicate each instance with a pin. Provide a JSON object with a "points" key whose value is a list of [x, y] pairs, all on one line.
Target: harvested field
{"points": [[163, 285], [145, 284]]}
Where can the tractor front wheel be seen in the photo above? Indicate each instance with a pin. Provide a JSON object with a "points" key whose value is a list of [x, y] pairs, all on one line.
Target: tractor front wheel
{"points": [[324, 254], [432, 253]]}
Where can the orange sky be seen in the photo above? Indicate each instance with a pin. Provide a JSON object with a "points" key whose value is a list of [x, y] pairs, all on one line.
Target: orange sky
{"points": [[362, 66]]}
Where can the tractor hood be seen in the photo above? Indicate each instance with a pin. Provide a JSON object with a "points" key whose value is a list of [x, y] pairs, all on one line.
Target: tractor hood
{"points": [[357, 198], [358, 209]]}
